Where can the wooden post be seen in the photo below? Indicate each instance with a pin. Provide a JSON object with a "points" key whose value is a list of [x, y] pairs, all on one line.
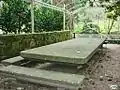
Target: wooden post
{"points": [[64, 18], [32, 15], [72, 22]]}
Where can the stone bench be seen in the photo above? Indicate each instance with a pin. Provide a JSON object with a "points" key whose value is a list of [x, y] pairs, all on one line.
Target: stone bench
{"points": [[51, 78]]}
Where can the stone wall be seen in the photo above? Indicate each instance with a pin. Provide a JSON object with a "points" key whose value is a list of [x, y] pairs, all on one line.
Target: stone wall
{"points": [[11, 45]]}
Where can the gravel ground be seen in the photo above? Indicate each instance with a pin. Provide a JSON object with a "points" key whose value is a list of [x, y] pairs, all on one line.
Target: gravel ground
{"points": [[103, 75]]}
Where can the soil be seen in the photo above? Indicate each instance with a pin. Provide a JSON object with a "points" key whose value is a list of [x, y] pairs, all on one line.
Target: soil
{"points": [[103, 75], [107, 73]]}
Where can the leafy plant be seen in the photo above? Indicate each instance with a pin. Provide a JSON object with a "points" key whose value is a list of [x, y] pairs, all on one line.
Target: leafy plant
{"points": [[112, 11], [48, 20], [14, 15], [90, 28]]}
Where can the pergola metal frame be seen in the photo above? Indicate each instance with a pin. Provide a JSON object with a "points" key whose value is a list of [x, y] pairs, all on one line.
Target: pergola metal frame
{"points": [[51, 6]]}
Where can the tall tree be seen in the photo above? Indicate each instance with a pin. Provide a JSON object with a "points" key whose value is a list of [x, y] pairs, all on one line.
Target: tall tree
{"points": [[48, 20], [112, 11], [14, 15]]}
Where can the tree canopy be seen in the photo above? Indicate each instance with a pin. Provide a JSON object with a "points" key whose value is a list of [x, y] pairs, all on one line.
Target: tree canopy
{"points": [[15, 16]]}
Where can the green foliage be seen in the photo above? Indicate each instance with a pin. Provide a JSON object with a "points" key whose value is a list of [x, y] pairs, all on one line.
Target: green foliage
{"points": [[90, 28], [48, 20], [112, 8], [87, 28], [14, 15], [82, 3], [79, 27], [112, 12]]}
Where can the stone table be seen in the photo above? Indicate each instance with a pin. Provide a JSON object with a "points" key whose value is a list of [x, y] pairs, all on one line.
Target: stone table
{"points": [[74, 51]]}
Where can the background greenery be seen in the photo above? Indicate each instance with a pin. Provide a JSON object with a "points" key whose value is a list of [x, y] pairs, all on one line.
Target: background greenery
{"points": [[15, 17], [101, 13]]}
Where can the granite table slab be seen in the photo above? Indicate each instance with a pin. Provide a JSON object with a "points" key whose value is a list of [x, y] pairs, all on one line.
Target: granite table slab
{"points": [[74, 51]]}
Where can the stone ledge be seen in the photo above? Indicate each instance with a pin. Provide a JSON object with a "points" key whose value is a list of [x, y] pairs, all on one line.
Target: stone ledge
{"points": [[51, 78], [12, 60]]}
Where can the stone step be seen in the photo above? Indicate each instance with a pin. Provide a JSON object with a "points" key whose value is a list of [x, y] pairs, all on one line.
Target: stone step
{"points": [[50, 78], [12, 60]]}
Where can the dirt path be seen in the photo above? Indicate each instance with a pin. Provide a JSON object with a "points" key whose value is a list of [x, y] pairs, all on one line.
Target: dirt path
{"points": [[106, 74]]}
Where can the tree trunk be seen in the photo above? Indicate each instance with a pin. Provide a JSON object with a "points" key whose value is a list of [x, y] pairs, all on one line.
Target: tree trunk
{"points": [[110, 27], [19, 26]]}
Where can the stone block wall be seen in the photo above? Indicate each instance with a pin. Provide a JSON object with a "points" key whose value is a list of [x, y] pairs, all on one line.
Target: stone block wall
{"points": [[11, 45]]}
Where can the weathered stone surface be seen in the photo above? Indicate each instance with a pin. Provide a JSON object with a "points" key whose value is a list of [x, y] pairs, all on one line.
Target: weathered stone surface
{"points": [[12, 60], [51, 78], [77, 51], [11, 45]]}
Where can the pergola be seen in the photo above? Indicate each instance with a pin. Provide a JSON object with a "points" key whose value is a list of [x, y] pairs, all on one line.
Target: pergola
{"points": [[61, 7]]}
